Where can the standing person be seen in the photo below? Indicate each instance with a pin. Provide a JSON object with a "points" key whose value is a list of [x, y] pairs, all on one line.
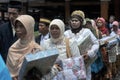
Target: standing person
{"points": [[98, 65], [4, 72], [101, 25], [77, 32], [58, 40], [24, 27], [43, 30], [7, 32], [111, 20], [115, 32]]}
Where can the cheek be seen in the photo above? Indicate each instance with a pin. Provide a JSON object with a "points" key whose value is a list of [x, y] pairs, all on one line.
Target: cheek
{"points": [[55, 34], [24, 32], [99, 24]]}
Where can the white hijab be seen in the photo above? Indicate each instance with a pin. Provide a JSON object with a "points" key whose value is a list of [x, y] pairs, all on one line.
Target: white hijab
{"points": [[61, 26]]}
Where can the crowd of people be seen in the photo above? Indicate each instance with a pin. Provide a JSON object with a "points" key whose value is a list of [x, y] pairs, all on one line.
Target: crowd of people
{"points": [[17, 39]]}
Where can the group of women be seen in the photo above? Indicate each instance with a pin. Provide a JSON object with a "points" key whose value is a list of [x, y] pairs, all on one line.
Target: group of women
{"points": [[59, 38]]}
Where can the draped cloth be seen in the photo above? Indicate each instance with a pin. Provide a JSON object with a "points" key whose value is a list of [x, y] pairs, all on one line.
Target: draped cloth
{"points": [[22, 46]]}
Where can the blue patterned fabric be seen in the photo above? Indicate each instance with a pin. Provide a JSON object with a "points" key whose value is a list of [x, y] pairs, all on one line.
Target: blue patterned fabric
{"points": [[98, 64], [4, 73]]}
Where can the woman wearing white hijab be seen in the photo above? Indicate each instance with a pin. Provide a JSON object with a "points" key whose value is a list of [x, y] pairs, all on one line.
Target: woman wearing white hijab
{"points": [[24, 27], [58, 40]]}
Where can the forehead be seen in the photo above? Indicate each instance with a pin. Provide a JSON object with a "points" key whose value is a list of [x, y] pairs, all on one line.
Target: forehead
{"points": [[99, 21], [18, 23], [74, 18], [12, 10], [54, 26], [40, 23]]}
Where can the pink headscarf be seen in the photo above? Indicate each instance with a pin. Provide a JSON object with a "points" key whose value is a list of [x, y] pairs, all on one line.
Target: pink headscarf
{"points": [[116, 24], [103, 28]]}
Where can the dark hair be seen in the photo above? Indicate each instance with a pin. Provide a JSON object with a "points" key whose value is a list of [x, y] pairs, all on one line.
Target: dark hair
{"points": [[78, 17], [15, 4], [33, 74]]}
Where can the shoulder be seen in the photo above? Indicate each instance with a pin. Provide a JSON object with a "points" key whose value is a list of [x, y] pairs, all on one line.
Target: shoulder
{"points": [[37, 37], [86, 29], [67, 31], [5, 26]]}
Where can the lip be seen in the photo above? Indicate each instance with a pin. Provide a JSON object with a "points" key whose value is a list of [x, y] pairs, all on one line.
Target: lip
{"points": [[18, 32]]}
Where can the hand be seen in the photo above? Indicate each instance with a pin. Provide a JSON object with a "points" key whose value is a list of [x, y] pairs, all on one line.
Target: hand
{"points": [[15, 78], [35, 50], [106, 42], [58, 67], [54, 70], [85, 56]]}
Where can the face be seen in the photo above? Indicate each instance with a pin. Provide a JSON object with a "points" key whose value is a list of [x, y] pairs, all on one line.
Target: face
{"points": [[55, 31], [88, 25], [99, 23], [115, 28], [43, 29], [111, 19], [12, 14], [75, 23], [20, 30]]}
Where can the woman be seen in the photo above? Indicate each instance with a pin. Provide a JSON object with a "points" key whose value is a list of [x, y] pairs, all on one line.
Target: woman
{"points": [[115, 32], [57, 40], [97, 66], [101, 24], [77, 33], [24, 27]]}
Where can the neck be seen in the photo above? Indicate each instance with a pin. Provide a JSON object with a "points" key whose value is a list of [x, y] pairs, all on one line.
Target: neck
{"points": [[44, 34], [76, 30]]}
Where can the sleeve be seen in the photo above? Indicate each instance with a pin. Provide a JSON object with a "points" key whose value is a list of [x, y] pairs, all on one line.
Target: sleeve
{"points": [[74, 49], [4, 73], [94, 49], [11, 65]]}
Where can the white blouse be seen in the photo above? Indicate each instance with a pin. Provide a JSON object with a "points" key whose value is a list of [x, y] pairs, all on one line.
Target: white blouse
{"points": [[92, 52], [61, 46], [80, 35]]}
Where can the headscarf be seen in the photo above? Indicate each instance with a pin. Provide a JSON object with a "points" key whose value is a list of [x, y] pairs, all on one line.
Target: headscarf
{"points": [[116, 23], [103, 28], [22, 47], [61, 26], [101, 19], [79, 14]]}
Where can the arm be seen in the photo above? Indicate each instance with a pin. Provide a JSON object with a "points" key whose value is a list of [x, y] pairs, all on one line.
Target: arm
{"points": [[92, 52], [74, 49]]}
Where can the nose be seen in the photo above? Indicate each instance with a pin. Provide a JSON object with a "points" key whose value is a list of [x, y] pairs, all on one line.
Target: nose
{"points": [[10, 15], [73, 21], [17, 28]]}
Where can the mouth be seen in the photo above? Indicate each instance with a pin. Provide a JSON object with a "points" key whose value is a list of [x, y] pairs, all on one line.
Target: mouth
{"points": [[18, 33]]}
